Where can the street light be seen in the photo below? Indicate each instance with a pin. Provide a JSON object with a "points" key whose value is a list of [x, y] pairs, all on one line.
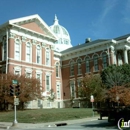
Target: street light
{"points": [[92, 100]]}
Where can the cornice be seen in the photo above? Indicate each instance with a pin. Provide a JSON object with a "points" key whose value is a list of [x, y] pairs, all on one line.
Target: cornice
{"points": [[11, 35]]}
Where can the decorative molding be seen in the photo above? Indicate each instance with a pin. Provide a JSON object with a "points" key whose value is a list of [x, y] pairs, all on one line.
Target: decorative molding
{"points": [[48, 73], [24, 39], [17, 68], [52, 47], [12, 35], [112, 48], [34, 42], [43, 44], [28, 70], [39, 71]]}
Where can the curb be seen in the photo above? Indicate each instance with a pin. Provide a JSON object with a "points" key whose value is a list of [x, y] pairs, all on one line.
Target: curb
{"points": [[5, 127]]}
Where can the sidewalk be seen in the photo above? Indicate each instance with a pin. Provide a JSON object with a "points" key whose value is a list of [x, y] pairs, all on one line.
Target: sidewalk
{"points": [[7, 125]]}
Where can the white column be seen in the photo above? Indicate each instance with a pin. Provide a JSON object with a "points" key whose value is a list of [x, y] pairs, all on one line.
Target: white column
{"points": [[125, 55], [113, 55]]}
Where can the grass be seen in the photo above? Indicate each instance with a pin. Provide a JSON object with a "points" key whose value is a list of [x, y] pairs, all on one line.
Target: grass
{"points": [[46, 115]]}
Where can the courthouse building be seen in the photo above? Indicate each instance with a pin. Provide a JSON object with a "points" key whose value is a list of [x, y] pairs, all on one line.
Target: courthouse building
{"points": [[29, 46]]}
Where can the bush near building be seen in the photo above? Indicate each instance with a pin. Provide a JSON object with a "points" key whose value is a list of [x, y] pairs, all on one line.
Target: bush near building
{"points": [[29, 89]]}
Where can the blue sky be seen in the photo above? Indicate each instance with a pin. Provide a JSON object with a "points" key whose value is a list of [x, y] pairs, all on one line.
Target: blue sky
{"points": [[97, 19]]}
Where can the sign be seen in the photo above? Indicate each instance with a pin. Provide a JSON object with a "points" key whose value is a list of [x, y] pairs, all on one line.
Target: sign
{"points": [[16, 101], [14, 82], [123, 124], [92, 98]]}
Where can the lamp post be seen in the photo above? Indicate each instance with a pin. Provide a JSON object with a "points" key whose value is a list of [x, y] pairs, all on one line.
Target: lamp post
{"points": [[92, 100], [14, 83]]}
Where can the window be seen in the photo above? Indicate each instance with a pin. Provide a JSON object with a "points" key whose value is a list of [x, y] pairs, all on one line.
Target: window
{"points": [[87, 65], [48, 83], [47, 56], [79, 66], [79, 82], [17, 72], [72, 88], [57, 69], [58, 90], [38, 54], [71, 68], [38, 76], [104, 60], [17, 49], [28, 75], [28, 52], [4, 50], [95, 58]]}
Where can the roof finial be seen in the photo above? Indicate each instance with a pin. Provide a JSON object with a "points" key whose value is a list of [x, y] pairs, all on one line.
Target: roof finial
{"points": [[56, 20]]}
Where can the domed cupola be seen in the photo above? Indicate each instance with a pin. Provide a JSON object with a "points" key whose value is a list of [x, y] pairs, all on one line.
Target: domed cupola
{"points": [[62, 34]]}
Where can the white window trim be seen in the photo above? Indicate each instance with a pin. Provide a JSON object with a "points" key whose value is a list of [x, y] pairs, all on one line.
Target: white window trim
{"points": [[48, 50], [72, 81], [19, 50], [17, 68], [79, 66], [40, 54], [30, 51], [95, 61], [28, 70], [39, 72], [71, 66], [48, 74], [87, 59], [58, 83], [103, 60], [57, 65]]}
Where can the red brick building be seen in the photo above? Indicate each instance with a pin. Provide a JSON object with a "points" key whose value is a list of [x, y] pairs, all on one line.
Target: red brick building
{"points": [[29, 46]]}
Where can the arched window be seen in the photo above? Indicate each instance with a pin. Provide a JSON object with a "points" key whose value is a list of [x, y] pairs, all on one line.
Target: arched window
{"points": [[71, 68], [38, 54], [87, 65], [57, 70], [72, 89], [79, 66], [28, 52], [104, 60], [17, 49], [95, 58], [47, 56]]}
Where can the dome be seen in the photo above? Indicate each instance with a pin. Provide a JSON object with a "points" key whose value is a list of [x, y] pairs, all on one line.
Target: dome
{"points": [[63, 36]]}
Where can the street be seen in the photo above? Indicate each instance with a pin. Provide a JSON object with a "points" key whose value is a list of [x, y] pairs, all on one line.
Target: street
{"points": [[89, 125]]}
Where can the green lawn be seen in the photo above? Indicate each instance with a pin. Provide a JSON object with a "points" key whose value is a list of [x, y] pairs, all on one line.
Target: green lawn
{"points": [[46, 115]]}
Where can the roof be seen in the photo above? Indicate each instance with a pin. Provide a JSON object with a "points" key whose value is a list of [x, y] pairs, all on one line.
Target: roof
{"points": [[32, 18], [122, 37], [84, 45]]}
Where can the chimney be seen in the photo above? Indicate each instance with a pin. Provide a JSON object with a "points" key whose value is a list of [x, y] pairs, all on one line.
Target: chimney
{"points": [[87, 40]]}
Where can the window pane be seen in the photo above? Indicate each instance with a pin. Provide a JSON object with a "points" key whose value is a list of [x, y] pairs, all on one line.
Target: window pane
{"points": [[47, 58], [38, 54], [95, 63], [79, 66], [48, 83]]}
